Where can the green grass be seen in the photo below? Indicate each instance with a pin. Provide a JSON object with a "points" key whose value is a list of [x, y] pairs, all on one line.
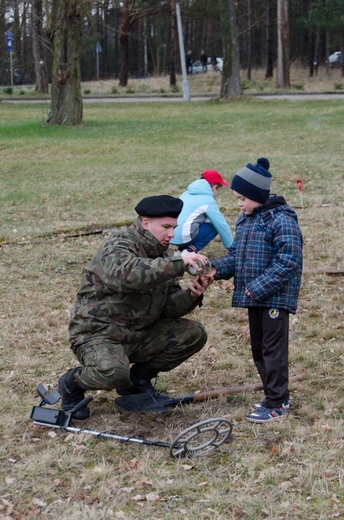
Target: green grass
{"points": [[96, 172], [56, 181]]}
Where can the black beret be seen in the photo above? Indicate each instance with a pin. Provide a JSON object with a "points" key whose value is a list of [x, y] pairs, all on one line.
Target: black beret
{"points": [[160, 206]]}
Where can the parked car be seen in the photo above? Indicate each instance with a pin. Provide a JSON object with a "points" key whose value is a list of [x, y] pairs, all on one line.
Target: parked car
{"points": [[335, 58], [20, 76], [197, 67]]}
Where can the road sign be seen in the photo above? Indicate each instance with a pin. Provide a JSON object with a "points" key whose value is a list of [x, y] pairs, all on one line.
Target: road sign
{"points": [[98, 47], [9, 42]]}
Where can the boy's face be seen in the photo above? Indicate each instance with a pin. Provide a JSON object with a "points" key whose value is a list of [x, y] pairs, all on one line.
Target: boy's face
{"points": [[245, 204], [162, 228]]}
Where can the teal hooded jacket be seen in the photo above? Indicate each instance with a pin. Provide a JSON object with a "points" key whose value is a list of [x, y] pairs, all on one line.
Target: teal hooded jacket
{"points": [[200, 206]]}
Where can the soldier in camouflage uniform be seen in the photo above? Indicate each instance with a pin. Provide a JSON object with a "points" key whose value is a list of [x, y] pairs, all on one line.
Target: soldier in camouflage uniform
{"points": [[127, 323]]}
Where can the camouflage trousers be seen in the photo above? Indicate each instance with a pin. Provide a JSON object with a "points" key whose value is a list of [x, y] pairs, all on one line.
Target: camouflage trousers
{"points": [[106, 364]]}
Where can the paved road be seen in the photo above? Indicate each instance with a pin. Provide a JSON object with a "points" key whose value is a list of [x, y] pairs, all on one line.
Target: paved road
{"points": [[161, 99], [292, 97], [301, 97]]}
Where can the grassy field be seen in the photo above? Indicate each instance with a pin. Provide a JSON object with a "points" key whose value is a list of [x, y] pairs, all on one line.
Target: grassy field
{"points": [[61, 190]]}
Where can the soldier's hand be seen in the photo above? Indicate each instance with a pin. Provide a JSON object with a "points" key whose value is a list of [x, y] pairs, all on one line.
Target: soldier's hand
{"points": [[198, 286]]}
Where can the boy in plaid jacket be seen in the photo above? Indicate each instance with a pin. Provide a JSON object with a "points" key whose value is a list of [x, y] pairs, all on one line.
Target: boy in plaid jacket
{"points": [[266, 262]]}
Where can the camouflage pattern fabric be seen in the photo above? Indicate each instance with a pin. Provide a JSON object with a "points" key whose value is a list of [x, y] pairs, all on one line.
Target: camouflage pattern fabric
{"points": [[128, 309], [168, 343]]}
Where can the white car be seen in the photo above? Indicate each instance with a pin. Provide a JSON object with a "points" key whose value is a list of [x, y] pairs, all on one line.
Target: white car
{"points": [[335, 58], [197, 67]]}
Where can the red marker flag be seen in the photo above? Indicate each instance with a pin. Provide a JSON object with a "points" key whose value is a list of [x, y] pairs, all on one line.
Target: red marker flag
{"points": [[299, 184]]}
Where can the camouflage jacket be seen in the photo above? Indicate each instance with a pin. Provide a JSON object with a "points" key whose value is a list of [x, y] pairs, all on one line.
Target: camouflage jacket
{"points": [[131, 282]]}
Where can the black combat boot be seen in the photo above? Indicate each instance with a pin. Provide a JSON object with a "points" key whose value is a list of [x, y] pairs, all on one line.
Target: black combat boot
{"points": [[140, 376], [72, 394]]}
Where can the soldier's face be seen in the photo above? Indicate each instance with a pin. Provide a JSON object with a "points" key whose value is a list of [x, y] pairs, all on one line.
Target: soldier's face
{"points": [[162, 228]]}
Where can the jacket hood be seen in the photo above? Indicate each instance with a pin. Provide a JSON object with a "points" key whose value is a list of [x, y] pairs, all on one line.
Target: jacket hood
{"points": [[200, 187], [276, 204], [274, 201]]}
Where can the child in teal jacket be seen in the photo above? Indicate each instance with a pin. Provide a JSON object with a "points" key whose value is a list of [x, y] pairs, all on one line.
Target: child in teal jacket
{"points": [[201, 219]]}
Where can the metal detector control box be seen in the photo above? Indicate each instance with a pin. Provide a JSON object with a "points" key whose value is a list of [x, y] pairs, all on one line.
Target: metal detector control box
{"points": [[48, 416], [51, 417]]}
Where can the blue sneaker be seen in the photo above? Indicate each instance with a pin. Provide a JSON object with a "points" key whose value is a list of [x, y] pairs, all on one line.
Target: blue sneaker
{"points": [[286, 405], [263, 415]]}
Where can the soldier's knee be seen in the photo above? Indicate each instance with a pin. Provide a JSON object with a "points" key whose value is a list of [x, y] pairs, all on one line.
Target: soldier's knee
{"points": [[199, 330], [203, 334], [114, 378], [105, 366], [198, 335], [101, 378]]}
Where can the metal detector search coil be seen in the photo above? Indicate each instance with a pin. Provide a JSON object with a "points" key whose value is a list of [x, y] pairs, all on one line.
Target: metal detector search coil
{"points": [[201, 438]]}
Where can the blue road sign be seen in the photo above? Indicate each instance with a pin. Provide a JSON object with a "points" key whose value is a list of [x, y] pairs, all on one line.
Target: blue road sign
{"points": [[9, 42]]}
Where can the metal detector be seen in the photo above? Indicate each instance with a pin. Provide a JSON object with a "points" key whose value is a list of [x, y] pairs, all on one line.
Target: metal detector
{"points": [[199, 439]]}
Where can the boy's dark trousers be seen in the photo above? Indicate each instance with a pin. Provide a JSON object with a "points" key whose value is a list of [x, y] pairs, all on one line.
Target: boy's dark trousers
{"points": [[269, 331]]}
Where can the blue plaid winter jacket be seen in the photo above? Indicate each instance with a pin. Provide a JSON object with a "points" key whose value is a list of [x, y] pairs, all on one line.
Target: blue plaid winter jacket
{"points": [[265, 258]]}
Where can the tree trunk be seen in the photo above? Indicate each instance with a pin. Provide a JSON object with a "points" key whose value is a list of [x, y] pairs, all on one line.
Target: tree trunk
{"points": [[316, 53], [311, 53], [16, 38], [173, 77], [105, 39], [41, 72], [249, 40], [3, 49], [66, 102], [230, 80], [269, 43], [141, 50], [283, 51], [123, 39]]}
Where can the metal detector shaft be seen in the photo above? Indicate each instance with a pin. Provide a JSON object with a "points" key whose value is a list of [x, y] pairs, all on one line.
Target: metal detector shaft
{"points": [[199, 439], [105, 435]]}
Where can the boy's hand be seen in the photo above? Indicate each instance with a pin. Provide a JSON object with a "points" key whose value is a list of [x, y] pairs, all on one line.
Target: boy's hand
{"points": [[211, 273], [247, 292]]}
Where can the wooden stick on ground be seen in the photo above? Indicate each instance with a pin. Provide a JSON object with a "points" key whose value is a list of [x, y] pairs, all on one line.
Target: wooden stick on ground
{"points": [[240, 389]]}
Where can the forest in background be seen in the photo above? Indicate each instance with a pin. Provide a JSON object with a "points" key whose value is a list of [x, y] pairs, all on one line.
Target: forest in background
{"points": [[140, 35]]}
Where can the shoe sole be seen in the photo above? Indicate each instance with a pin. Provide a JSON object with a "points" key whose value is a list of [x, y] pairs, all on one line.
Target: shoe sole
{"points": [[263, 421]]}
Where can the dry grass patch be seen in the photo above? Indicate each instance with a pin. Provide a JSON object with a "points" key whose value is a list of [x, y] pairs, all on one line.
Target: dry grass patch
{"points": [[326, 80], [209, 84], [294, 466]]}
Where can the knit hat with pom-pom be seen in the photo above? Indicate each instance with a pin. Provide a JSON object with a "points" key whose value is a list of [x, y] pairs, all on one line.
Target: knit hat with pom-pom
{"points": [[254, 181]]}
